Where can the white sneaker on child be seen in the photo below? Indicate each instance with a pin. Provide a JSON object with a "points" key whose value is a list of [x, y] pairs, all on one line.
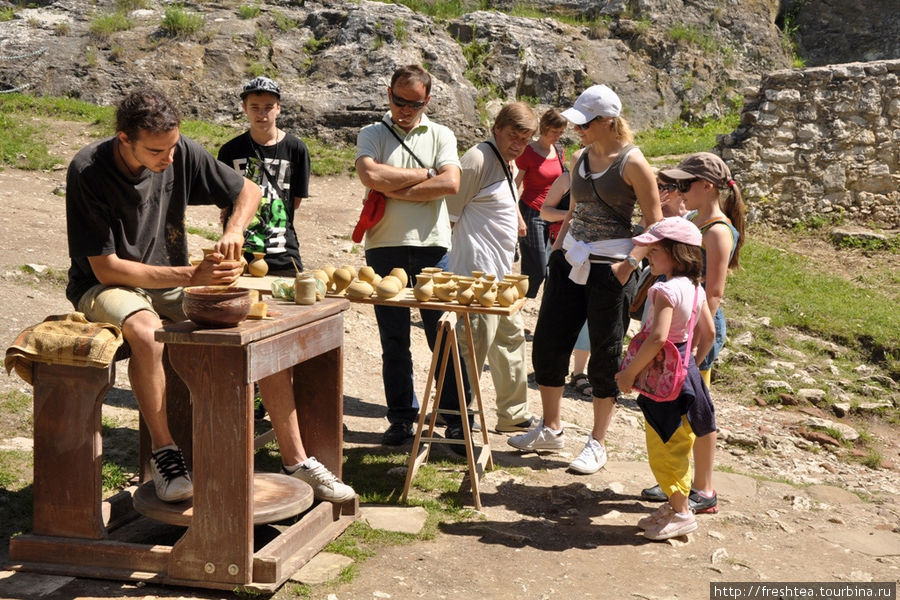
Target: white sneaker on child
{"points": [[591, 459], [325, 485], [675, 525], [663, 512], [539, 438]]}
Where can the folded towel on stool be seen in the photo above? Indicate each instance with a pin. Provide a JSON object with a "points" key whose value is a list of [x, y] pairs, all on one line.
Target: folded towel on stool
{"points": [[68, 339]]}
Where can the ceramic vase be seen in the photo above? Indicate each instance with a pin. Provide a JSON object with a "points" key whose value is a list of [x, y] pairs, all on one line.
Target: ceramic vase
{"points": [[258, 266], [508, 293], [305, 289], [487, 294], [424, 287], [466, 296]]}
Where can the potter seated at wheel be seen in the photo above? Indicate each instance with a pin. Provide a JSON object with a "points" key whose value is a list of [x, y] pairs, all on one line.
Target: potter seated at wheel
{"points": [[129, 267]]}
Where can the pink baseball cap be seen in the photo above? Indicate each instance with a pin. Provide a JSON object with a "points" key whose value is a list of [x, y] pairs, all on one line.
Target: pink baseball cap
{"points": [[677, 229]]}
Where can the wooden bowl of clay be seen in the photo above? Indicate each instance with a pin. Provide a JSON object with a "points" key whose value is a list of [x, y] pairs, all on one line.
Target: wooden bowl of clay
{"points": [[216, 305]]}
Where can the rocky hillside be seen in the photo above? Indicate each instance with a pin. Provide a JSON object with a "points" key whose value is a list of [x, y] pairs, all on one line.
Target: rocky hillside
{"points": [[668, 59]]}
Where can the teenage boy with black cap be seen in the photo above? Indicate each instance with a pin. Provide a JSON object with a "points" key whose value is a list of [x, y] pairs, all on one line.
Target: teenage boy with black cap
{"points": [[279, 163]]}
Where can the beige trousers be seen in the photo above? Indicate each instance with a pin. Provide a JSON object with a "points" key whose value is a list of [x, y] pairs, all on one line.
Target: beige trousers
{"points": [[501, 340]]}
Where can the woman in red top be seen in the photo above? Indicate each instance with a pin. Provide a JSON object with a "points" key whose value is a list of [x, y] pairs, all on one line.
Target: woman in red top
{"points": [[539, 166]]}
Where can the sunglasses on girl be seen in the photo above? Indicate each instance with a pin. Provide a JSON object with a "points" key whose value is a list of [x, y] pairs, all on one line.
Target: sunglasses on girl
{"points": [[683, 185], [403, 102]]}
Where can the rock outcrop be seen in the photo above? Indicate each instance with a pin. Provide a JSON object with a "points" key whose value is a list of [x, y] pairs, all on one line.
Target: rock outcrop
{"points": [[666, 58]]}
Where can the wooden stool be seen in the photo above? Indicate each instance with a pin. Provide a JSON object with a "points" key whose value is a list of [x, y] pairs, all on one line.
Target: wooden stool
{"points": [[478, 459], [68, 449]]}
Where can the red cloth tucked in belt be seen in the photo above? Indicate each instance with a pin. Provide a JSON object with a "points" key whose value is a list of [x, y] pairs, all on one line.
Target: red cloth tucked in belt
{"points": [[372, 212]]}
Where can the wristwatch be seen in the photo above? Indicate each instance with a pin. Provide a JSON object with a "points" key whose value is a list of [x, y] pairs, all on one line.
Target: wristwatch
{"points": [[432, 173], [635, 263]]}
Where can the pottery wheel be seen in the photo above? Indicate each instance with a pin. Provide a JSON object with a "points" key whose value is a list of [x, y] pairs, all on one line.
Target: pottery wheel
{"points": [[275, 497]]}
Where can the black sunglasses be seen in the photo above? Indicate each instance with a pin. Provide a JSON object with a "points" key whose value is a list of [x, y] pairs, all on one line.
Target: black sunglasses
{"points": [[684, 185], [666, 187], [403, 102]]}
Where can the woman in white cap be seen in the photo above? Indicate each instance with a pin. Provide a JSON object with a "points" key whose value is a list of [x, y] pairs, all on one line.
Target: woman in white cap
{"points": [[590, 263]]}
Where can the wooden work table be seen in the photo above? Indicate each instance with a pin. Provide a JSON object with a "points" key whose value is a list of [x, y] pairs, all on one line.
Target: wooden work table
{"points": [[218, 549]]}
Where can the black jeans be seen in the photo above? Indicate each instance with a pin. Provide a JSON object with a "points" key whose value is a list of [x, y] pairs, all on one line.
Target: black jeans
{"points": [[564, 308], [534, 248]]}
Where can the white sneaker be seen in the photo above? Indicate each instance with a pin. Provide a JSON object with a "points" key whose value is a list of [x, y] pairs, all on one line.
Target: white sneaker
{"points": [[664, 512], [674, 525], [170, 476], [539, 438], [323, 482], [591, 459]]}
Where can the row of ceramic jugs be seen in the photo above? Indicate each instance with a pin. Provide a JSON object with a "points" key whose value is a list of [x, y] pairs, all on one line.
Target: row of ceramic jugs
{"points": [[432, 284]]}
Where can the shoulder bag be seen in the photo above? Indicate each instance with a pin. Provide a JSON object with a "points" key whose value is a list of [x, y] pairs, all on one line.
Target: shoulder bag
{"points": [[661, 380]]}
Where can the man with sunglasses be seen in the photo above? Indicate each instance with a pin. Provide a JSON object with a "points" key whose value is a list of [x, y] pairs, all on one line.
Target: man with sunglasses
{"points": [[413, 162]]}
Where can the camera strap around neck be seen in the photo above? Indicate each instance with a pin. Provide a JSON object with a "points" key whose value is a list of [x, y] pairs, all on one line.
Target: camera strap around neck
{"points": [[506, 171]]}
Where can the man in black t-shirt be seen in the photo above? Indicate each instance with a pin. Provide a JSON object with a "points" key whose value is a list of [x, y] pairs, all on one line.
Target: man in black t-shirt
{"points": [[279, 164], [125, 207]]}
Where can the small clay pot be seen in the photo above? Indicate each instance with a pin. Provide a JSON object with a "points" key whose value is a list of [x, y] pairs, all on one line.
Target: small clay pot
{"points": [[366, 273], [487, 294], [388, 287], [258, 267], [350, 269], [216, 305], [359, 290], [400, 274], [508, 293], [424, 287], [445, 292], [342, 279], [305, 289], [466, 296]]}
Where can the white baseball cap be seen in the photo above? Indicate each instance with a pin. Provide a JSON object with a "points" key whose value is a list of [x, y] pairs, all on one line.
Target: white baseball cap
{"points": [[596, 101]]}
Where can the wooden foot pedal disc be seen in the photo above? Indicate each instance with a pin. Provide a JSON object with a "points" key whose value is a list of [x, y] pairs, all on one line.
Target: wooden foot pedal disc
{"points": [[275, 497]]}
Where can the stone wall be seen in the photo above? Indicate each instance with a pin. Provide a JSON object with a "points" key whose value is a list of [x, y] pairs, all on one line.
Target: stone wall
{"points": [[821, 144]]}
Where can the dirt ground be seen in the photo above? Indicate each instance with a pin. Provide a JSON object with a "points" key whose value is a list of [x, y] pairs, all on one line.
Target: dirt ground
{"points": [[544, 532]]}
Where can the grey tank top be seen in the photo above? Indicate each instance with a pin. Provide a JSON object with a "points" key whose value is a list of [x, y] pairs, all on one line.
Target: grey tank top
{"points": [[592, 221]]}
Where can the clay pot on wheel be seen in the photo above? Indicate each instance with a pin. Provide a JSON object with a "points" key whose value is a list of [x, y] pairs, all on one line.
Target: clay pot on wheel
{"points": [[216, 305], [258, 266]]}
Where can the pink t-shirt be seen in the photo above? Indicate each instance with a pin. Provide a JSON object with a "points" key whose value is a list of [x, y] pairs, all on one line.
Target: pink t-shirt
{"points": [[679, 292], [540, 173]]}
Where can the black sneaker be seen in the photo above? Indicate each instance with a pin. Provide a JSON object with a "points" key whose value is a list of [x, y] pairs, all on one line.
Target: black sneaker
{"points": [[701, 504], [397, 434], [653, 494], [455, 432]]}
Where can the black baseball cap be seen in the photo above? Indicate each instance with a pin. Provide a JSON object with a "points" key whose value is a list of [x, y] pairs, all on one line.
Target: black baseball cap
{"points": [[260, 85]]}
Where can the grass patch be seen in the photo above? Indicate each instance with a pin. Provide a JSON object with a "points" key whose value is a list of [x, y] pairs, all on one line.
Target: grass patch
{"points": [[444, 9], [694, 36], [797, 294], [114, 477], [328, 159], [685, 138], [103, 26], [179, 22], [247, 11], [7, 13]]}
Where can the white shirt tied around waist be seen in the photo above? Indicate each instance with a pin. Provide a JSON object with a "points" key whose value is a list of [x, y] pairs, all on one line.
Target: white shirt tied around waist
{"points": [[581, 254]]}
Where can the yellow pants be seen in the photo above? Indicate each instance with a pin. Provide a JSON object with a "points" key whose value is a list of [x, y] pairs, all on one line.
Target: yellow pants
{"points": [[671, 462]]}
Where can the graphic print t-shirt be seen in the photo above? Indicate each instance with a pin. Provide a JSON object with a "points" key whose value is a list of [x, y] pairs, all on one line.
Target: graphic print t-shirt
{"points": [[282, 175]]}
